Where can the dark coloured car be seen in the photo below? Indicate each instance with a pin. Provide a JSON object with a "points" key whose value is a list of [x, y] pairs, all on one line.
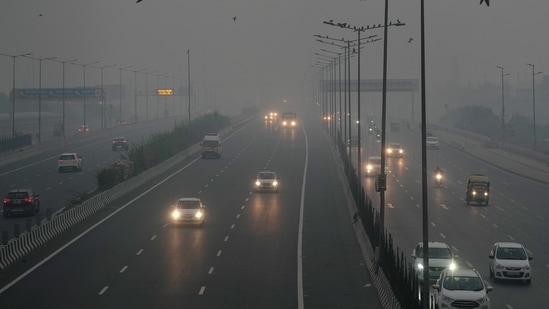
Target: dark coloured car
{"points": [[120, 143], [21, 201]]}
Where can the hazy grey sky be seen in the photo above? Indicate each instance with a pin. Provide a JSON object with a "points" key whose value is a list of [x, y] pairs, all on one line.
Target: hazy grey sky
{"points": [[264, 55]]}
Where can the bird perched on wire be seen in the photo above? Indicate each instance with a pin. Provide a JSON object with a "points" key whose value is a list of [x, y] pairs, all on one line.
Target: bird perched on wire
{"points": [[234, 18], [487, 2], [410, 40], [138, 1]]}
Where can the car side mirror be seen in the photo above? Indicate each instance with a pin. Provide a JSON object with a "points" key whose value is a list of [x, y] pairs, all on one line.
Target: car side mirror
{"points": [[413, 254], [490, 256], [530, 258], [436, 287], [488, 287]]}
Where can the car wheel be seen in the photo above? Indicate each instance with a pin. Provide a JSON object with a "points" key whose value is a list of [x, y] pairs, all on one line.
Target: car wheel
{"points": [[491, 272]]}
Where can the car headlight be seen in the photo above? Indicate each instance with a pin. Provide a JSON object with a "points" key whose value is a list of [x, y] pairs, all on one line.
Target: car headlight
{"points": [[439, 176], [526, 268], [293, 123], [176, 214], [198, 214], [452, 266], [420, 266], [483, 300], [257, 183], [485, 193], [499, 266], [447, 299], [275, 183], [389, 150], [474, 193], [284, 123]]}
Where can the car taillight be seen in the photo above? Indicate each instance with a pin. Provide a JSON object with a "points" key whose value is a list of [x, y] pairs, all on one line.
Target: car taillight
{"points": [[28, 200], [6, 201]]}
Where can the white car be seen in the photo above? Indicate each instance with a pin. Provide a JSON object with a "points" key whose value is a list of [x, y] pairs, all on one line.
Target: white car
{"points": [[509, 260], [373, 166], [432, 142], [440, 257], [69, 161], [395, 150], [266, 180], [461, 288], [188, 210]]}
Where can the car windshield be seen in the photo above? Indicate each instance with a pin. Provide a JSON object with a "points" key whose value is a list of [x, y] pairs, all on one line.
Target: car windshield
{"points": [[67, 157], [266, 176], [432, 139], [463, 283], [511, 254], [188, 204], [436, 253], [374, 161], [18, 195], [210, 143]]}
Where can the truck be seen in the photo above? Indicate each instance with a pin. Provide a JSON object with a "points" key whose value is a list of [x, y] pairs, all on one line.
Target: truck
{"points": [[211, 146], [478, 189]]}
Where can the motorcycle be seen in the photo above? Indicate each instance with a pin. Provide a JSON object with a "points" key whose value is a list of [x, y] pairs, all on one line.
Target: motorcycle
{"points": [[438, 179]]}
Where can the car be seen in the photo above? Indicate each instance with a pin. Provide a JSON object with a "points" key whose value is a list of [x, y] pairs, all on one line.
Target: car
{"points": [[510, 261], [461, 288], [266, 180], [120, 143], [432, 142], [373, 165], [395, 150], [83, 129], [188, 210], [21, 201], [69, 161], [440, 257]]}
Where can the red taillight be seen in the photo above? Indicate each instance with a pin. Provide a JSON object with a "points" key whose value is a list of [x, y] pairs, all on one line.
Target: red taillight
{"points": [[28, 200], [6, 201]]}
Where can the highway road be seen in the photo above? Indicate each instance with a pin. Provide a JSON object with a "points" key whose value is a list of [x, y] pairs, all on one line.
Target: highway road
{"points": [[516, 212], [291, 249]]}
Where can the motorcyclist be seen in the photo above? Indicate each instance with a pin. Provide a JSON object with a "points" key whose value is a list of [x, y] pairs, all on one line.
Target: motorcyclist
{"points": [[438, 175]]}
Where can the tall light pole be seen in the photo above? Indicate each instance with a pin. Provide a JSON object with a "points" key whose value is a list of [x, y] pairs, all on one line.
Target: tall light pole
{"points": [[63, 97], [13, 93], [534, 73], [502, 104], [103, 120], [120, 91], [40, 94], [83, 65], [189, 86], [135, 92]]}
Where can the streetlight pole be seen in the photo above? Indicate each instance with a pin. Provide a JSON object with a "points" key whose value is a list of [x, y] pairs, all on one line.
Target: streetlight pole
{"points": [[63, 98], [103, 120], [120, 91], [189, 86], [135, 92], [84, 80], [502, 104], [534, 100], [13, 93], [40, 94]]}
